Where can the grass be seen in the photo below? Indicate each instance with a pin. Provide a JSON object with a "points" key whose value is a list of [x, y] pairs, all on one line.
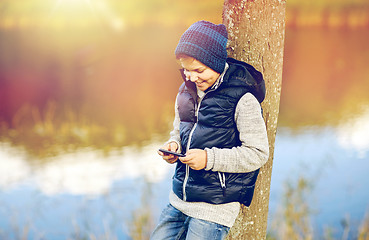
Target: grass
{"points": [[293, 218]]}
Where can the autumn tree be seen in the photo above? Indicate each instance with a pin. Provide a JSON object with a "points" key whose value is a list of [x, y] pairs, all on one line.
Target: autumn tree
{"points": [[256, 35]]}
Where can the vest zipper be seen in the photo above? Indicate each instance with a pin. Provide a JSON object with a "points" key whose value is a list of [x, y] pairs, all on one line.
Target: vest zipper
{"points": [[185, 183], [188, 146]]}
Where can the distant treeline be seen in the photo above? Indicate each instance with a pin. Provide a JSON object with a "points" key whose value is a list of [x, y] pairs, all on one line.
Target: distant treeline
{"points": [[304, 13], [350, 17]]}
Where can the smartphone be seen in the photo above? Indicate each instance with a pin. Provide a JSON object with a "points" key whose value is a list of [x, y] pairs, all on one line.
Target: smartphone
{"points": [[170, 152]]}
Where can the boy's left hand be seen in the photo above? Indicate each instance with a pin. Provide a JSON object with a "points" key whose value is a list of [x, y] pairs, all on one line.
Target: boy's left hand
{"points": [[195, 159]]}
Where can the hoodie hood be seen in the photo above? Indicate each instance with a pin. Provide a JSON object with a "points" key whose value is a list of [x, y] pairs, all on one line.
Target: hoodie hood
{"points": [[246, 75], [249, 76]]}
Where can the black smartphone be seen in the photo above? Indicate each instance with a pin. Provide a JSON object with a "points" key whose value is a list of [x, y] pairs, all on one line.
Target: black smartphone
{"points": [[170, 152]]}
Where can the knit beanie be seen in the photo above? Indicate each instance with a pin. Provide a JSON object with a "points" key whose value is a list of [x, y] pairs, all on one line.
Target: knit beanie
{"points": [[206, 42]]}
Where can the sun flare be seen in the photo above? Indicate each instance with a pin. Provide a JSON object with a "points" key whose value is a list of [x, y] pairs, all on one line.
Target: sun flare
{"points": [[69, 6], [88, 10], [73, 3]]}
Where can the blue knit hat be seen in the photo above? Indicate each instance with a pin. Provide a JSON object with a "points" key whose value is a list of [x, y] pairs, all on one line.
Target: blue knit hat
{"points": [[206, 42]]}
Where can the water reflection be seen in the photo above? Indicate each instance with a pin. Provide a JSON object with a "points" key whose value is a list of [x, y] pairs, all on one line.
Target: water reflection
{"points": [[335, 173], [82, 194], [79, 137], [353, 134], [325, 78], [85, 172]]}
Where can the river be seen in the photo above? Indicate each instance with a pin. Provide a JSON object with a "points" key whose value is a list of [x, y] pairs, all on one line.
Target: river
{"points": [[60, 187]]}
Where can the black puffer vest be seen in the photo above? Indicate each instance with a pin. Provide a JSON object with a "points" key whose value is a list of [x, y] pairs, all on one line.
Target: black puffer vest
{"points": [[213, 125]]}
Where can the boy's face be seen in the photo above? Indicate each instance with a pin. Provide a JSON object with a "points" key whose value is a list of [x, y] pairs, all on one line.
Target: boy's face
{"points": [[196, 72]]}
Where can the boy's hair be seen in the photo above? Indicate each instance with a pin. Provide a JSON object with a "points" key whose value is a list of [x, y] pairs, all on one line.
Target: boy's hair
{"points": [[182, 55]]}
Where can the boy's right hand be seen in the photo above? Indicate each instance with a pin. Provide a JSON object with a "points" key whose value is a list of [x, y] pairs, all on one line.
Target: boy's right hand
{"points": [[170, 158]]}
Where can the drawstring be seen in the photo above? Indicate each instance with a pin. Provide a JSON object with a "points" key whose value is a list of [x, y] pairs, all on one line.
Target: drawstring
{"points": [[222, 182]]}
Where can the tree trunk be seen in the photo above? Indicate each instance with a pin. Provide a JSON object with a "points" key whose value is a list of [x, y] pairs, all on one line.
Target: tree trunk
{"points": [[256, 35]]}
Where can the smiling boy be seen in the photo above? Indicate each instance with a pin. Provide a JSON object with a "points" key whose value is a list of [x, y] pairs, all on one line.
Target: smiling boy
{"points": [[219, 126]]}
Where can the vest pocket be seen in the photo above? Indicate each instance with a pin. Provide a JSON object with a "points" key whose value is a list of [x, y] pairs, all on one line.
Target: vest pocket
{"points": [[247, 195]]}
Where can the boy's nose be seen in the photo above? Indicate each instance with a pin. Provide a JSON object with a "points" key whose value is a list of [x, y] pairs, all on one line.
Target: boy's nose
{"points": [[193, 77]]}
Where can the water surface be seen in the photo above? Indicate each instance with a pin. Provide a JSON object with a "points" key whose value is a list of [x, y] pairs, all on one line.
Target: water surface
{"points": [[84, 164]]}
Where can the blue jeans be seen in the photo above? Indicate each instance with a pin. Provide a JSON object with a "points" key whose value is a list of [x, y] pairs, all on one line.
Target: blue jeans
{"points": [[174, 225]]}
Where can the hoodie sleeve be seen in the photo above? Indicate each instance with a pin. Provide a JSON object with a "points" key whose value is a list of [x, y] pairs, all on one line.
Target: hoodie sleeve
{"points": [[254, 151], [174, 134]]}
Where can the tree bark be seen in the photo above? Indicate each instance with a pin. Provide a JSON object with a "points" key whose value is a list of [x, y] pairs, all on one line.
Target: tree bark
{"points": [[256, 31]]}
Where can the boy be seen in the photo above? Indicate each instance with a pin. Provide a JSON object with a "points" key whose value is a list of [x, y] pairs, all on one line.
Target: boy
{"points": [[219, 126]]}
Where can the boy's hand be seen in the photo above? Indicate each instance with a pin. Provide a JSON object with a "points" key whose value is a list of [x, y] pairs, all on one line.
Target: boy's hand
{"points": [[170, 158], [195, 159]]}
